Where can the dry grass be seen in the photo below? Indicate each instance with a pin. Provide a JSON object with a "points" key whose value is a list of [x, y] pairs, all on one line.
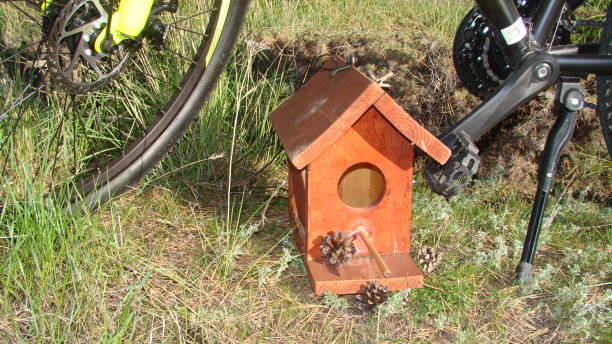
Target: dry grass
{"points": [[183, 293], [173, 261]]}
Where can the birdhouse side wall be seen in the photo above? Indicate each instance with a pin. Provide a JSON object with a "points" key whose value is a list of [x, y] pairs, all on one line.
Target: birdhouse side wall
{"points": [[371, 141], [298, 200]]}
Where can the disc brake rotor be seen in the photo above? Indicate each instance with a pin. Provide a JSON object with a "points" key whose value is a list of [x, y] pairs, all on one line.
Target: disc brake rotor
{"points": [[73, 63]]}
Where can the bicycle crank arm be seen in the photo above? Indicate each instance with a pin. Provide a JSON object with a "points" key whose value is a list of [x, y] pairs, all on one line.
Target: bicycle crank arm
{"points": [[533, 74]]}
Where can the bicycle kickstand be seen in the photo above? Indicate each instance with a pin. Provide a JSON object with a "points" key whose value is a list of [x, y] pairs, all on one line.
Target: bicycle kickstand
{"points": [[569, 99]]}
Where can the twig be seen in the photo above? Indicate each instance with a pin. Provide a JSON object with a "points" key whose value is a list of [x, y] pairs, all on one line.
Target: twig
{"points": [[599, 285], [432, 287]]}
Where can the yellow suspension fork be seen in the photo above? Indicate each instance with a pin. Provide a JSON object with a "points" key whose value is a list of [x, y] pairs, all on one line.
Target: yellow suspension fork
{"points": [[126, 23], [45, 4]]}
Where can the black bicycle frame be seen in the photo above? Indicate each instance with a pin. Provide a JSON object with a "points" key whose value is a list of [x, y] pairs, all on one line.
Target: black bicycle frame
{"points": [[571, 60], [577, 59], [536, 67]]}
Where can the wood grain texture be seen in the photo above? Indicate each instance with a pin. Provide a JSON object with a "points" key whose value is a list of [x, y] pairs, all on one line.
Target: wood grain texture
{"points": [[372, 140], [351, 277], [324, 108], [298, 192], [330, 128], [412, 130], [381, 263], [321, 111], [362, 185]]}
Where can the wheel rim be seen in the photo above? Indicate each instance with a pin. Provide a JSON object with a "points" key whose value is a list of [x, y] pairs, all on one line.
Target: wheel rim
{"points": [[86, 137]]}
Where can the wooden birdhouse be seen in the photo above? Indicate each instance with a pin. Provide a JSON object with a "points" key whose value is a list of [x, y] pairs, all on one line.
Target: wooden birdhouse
{"points": [[350, 152]]}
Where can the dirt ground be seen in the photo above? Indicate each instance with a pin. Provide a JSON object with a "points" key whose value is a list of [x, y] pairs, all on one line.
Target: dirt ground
{"points": [[424, 82]]}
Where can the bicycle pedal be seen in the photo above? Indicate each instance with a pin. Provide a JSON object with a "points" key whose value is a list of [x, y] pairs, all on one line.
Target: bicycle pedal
{"points": [[449, 179]]}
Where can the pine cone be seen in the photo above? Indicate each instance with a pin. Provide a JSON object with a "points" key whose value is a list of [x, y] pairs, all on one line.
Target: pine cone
{"points": [[429, 258], [338, 248], [373, 295]]}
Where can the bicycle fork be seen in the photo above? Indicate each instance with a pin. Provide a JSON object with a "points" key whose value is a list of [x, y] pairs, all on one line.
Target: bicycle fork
{"points": [[128, 22]]}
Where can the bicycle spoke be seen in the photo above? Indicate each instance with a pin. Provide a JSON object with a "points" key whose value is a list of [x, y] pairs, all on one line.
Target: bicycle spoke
{"points": [[181, 56], [20, 51], [35, 20], [191, 17], [187, 30], [81, 118], [153, 76], [21, 100], [56, 133]]}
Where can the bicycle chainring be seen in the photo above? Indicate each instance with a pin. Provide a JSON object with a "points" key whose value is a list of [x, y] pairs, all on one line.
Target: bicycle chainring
{"points": [[478, 57], [72, 61]]}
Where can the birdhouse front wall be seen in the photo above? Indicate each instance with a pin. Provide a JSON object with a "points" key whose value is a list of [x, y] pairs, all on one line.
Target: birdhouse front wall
{"points": [[373, 152]]}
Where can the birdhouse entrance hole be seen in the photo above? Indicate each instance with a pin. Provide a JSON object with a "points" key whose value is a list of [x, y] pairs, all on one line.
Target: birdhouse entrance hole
{"points": [[361, 186]]}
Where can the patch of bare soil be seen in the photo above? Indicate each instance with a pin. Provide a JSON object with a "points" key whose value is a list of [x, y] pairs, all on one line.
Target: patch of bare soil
{"points": [[424, 82]]}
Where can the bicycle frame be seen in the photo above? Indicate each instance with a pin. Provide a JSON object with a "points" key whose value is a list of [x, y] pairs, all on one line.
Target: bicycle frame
{"points": [[535, 69], [579, 58], [571, 60]]}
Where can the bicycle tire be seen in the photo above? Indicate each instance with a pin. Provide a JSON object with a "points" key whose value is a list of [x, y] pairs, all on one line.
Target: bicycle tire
{"points": [[604, 84], [111, 176]]}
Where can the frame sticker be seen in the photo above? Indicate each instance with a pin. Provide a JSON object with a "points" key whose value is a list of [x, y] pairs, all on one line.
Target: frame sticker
{"points": [[514, 32]]}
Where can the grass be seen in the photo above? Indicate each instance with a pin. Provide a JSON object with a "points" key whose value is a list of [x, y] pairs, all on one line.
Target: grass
{"points": [[173, 261]]}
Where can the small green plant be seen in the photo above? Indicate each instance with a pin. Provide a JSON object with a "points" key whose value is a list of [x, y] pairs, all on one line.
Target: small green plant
{"points": [[395, 304], [334, 301], [583, 313]]}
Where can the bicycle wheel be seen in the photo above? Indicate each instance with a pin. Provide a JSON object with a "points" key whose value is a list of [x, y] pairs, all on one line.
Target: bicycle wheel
{"points": [[89, 125], [604, 84]]}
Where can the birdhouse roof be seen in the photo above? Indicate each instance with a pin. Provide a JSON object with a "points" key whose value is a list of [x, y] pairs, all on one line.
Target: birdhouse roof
{"points": [[327, 106]]}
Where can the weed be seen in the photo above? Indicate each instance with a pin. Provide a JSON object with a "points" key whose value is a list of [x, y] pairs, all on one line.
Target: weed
{"points": [[193, 255], [334, 301], [395, 304]]}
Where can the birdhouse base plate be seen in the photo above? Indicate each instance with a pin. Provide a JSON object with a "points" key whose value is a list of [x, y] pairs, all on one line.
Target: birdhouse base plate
{"points": [[351, 277]]}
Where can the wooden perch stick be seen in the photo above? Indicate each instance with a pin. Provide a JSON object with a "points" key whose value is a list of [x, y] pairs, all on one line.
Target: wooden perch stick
{"points": [[381, 264]]}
